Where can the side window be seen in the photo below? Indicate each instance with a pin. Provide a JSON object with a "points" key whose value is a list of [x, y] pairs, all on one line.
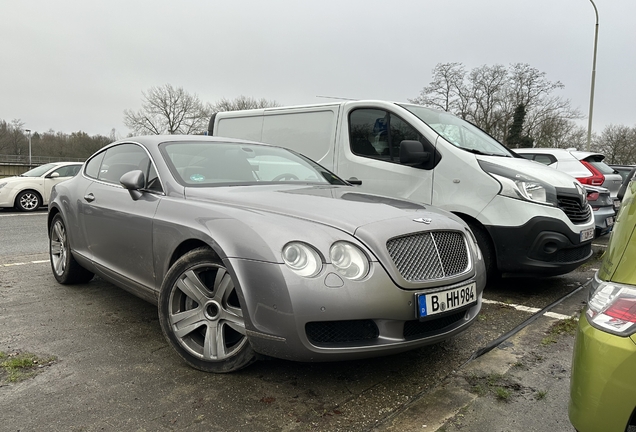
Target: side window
{"points": [[121, 159], [378, 134], [545, 159], [72, 170], [68, 171], [92, 166], [400, 131]]}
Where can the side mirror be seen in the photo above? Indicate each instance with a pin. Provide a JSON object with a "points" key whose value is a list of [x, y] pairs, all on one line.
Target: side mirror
{"points": [[133, 181], [412, 153], [54, 175]]}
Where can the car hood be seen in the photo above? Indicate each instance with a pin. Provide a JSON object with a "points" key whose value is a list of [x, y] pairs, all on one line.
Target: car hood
{"points": [[15, 179], [338, 206], [542, 172]]}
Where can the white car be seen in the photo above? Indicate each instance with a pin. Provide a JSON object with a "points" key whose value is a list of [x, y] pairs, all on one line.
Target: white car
{"points": [[31, 190], [587, 167]]}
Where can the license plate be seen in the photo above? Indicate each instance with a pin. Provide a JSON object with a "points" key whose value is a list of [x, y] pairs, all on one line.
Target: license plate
{"points": [[587, 234], [609, 221], [443, 301]]}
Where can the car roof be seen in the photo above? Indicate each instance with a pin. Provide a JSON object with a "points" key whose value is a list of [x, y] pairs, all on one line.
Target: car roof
{"points": [[155, 140]]}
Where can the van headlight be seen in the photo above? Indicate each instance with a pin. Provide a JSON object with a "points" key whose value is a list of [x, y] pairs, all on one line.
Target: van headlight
{"points": [[612, 307], [521, 186], [349, 260], [302, 259]]}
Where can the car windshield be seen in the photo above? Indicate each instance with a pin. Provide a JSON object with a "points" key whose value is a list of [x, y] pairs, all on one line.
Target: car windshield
{"points": [[38, 171], [458, 132], [212, 163]]}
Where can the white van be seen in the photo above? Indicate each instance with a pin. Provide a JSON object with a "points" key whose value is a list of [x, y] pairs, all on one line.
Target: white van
{"points": [[527, 218]]}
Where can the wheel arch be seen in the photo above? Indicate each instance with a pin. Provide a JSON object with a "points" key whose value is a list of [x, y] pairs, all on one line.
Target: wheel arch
{"points": [[53, 211], [35, 191], [186, 246], [490, 255]]}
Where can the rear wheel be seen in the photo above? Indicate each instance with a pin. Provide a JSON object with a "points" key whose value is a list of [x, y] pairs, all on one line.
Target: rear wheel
{"points": [[27, 201], [201, 316], [65, 269]]}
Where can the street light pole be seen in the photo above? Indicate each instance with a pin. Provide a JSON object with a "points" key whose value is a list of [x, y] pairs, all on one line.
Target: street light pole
{"points": [[589, 120], [28, 131]]}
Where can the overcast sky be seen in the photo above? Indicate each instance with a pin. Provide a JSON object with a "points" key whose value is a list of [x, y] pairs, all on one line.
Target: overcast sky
{"points": [[73, 65]]}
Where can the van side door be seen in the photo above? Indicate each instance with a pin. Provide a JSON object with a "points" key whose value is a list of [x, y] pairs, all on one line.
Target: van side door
{"points": [[370, 152]]}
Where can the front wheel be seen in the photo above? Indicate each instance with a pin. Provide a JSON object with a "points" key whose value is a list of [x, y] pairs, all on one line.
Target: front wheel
{"points": [[65, 269], [487, 250], [28, 201], [201, 316]]}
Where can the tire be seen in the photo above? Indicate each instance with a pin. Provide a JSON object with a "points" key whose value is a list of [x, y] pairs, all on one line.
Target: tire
{"points": [[487, 250], [66, 270], [28, 201], [201, 316]]}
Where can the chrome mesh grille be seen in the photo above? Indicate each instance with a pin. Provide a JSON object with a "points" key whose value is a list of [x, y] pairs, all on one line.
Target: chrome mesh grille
{"points": [[430, 255]]}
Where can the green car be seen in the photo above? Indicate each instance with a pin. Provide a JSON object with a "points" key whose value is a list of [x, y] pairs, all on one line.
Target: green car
{"points": [[603, 383]]}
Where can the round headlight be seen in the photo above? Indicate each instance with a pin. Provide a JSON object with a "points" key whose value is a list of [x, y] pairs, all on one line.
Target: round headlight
{"points": [[349, 260], [302, 259]]}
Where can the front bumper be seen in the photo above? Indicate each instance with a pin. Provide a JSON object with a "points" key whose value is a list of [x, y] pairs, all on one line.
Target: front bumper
{"points": [[542, 245], [328, 318], [603, 382]]}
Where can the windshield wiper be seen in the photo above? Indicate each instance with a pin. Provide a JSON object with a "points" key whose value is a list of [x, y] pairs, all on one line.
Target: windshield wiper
{"points": [[479, 152]]}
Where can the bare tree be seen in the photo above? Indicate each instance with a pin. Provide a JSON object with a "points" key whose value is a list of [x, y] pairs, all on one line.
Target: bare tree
{"points": [[489, 95], [618, 144], [242, 103], [168, 110], [446, 90]]}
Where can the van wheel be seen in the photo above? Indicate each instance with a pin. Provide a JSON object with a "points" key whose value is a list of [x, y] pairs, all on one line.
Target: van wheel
{"points": [[487, 250]]}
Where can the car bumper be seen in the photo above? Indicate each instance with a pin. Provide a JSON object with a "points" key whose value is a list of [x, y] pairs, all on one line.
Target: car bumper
{"points": [[327, 318], [543, 246], [603, 382], [604, 220]]}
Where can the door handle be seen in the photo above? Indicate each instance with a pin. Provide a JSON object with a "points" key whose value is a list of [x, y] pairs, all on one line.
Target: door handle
{"points": [[89, 197]]}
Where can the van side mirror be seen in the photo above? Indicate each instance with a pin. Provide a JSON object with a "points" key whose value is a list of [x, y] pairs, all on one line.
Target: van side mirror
{"points": [[412, 153]]}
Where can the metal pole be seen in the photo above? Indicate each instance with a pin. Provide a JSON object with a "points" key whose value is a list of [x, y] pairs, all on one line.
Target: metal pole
{"points": [[28, 131], [589, 120]]}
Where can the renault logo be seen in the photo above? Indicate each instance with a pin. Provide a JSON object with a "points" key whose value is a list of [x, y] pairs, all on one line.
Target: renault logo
{"points": [[582, 193], [423, 220]]}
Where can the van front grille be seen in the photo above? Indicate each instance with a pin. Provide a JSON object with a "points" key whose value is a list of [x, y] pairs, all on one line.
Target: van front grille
{"points": [[429, 255], [578, 212]]}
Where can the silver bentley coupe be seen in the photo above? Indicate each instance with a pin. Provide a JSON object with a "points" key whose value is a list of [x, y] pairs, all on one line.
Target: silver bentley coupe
{"points": [[253, 250]]}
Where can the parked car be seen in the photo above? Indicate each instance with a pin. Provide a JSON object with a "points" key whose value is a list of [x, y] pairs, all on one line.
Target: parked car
{"points": [[249, 248], [586, 167], [31, 190], [602, 207], [627, 172], [603, 382]]}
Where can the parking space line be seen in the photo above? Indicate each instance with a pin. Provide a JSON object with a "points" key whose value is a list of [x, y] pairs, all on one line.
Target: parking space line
{"points": [[531, 310], [23, 214], [24, 263]]}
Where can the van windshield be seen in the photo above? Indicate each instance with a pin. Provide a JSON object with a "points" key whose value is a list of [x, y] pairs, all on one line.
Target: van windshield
{"points": [[458, 132]]}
